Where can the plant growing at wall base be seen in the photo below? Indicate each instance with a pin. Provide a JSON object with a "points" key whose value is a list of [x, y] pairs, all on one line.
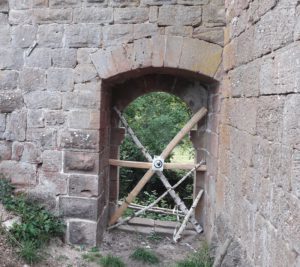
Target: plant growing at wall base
{"points": [[111, 261], [37, 225], [201, 258]]}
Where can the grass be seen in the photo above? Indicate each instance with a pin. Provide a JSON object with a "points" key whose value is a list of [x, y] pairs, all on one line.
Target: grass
{"points": [[145, 256], [111, 261], [92, 256], [37, 225], [200, 258]]}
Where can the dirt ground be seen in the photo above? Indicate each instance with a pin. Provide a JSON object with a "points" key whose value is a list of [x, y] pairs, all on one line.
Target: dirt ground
{"points": [[118, 243]]}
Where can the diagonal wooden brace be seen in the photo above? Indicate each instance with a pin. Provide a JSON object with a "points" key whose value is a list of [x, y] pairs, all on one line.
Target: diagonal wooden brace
{"points": [[198, 116]]}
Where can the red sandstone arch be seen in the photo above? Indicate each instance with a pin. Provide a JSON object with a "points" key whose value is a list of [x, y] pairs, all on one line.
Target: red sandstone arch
{"points": [[161, 63]]}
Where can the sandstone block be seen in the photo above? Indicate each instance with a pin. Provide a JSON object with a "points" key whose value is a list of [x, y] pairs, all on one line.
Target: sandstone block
{"points": [[205, 59], [5, 35], [3, 19], [81, 162], [31, 153], [52, 161], [19, 173], [212, 35], [169, 15], [39, 58], [23, 35], [46, 138], [291, 122], [54, 182], [83, 35], [124, 3], [193, 2], [17, 17], [83, 233], [16, 126], [63, 58], [64, 3], [131, 15], [104, 63], [4, 6], [11, 58], [17, 150], [157, 2], [287, 70], [81, 99], [59, 79], [117, 34], [83, 55], [80, 119], [50, 35], [84, 185], [79, 139], [245, 80], [267, 76], [124, 56], [159, 49], [79, 207], [270, 118], [43, 99], [173, 51], [153, 14], [142, 53], [10, 100], [295, 173], [242, 108], [32, 79], [35, 119], [184, 31], [91, 87], [213, 15], [40, 3], [93, 15], [15, 4], [2, 122], [85, 73], [54, 117], [8, 80], [144, 30], [5, 150], [52, 15]]}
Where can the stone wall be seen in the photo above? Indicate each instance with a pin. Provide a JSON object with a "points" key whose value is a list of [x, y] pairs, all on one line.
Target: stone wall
{"points": [[54, 134], [257, 198]]}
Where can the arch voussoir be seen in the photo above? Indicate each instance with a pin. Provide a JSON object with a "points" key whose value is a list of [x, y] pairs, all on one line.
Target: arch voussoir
{"points": [[160, 51]]}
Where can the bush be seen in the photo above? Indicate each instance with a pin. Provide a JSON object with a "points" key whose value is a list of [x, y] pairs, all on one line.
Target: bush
{"points": [[37, 225], [111, 261]]}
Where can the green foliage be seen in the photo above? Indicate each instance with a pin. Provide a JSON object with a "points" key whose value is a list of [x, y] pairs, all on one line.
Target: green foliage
{"points": [[37, 225], [145, 256], [200, 258], [155, 118], [29, 252], [92, 256], [111, 261]]}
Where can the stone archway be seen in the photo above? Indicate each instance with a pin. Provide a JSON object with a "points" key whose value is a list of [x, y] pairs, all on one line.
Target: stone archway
{"points": [[182, 66], [172, 64]]}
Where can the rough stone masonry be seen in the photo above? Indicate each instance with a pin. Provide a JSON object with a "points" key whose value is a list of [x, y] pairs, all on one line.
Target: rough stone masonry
{"points": [[59, 60]]}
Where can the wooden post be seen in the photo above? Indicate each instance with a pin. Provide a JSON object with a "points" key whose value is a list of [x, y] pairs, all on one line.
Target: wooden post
{"points": [[190, 124]]}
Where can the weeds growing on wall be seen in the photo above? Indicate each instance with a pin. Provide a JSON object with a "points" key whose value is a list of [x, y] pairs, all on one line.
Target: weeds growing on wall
{"points": [[37, 225]]}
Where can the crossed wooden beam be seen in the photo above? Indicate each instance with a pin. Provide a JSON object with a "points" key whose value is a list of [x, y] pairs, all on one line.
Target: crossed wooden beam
{"points": [[169, 148]]}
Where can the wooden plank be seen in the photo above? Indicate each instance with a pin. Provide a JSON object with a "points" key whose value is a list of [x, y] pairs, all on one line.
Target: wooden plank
{"points": [[169, 148], [147, 165]]}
